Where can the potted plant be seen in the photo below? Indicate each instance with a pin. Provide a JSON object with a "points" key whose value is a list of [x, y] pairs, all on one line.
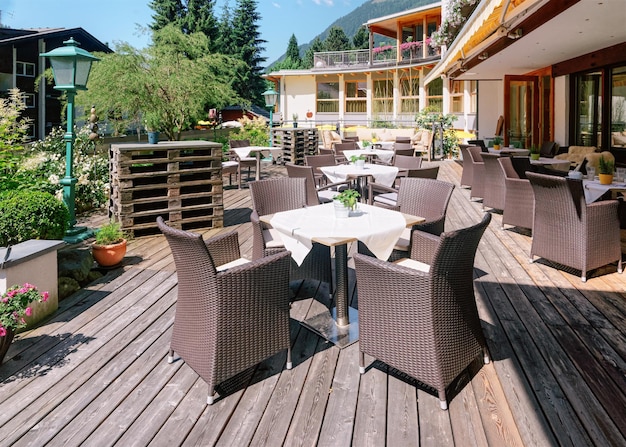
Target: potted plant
{"points": [[109, 247], [345, 202], [535, 152], [14, 306], [358, 160], [605, 169], [497, 141], [152, 122], [295, 120]]}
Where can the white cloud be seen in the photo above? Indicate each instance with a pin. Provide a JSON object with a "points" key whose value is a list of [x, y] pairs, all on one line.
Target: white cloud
{"points": [[326, 2], [276, 5]]}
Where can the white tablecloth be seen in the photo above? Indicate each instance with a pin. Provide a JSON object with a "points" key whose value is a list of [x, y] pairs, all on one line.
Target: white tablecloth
{"points": [[384, 145], [510, 150], [244, 152], [562, 165], [384, 155], [594, 190], [385, 175], [376, 227]]}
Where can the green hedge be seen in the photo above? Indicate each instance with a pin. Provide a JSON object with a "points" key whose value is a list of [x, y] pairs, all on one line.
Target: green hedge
{"points": [[28, 215]]}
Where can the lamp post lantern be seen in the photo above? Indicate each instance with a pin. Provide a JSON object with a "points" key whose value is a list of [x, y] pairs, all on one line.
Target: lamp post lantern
{"points": [[71, 66], [270, 102]]}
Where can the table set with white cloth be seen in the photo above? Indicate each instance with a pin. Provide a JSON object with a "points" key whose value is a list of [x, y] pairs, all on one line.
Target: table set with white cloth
{"points": [[594, 190], [244, 152], [385, 145], [509, 150], [385, 175], [561, 165], [383, 155], [378, 228]]}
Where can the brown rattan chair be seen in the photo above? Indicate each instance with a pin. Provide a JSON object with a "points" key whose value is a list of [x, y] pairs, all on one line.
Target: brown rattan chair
{"points": [[340, 147], [519, 200], [423, 322], [478, 168], [570, 232], [314, 194], [468, 167], [386, 196], [494, 187], [282, 194], [317, 161], [244, 162], [227, 320]]}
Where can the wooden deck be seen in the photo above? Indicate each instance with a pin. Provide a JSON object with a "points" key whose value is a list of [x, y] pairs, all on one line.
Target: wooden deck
{"points": [[96, 374]]}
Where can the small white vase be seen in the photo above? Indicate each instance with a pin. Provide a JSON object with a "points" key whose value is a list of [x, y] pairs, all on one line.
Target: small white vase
{"points": [[360, 164], [341, 211]]}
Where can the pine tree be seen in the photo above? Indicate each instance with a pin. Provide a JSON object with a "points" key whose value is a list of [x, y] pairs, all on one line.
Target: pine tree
{"points": [[166, 12], [293, 52], [200, 18], [225, 31], [316, 46], [247, 46], [337, 40], [361, 40]]}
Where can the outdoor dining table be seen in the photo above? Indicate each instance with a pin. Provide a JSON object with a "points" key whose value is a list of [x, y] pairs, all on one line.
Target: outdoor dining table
{"points": [[561, 165], [383, 155], [378, 228], [509, 150], [594, 190], [244, 152], [382, 174]]}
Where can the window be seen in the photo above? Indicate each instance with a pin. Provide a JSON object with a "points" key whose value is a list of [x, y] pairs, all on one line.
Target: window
{"points": [[434, 95], [29, 100], [382, 101], [618, 107], [328, 97], [588, 108], [356, 94], [409, 94], [473, 94], [456, 96], [25, 69]]}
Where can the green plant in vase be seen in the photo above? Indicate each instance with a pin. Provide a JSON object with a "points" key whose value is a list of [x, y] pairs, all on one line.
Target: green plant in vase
{"points": [[535, 152], [605, 170], [348, 197], [109, 247], [497, 142]]}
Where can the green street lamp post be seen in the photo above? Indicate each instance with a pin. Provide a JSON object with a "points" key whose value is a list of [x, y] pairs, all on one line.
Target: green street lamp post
{"points": [[70, 66], [270, 102]]}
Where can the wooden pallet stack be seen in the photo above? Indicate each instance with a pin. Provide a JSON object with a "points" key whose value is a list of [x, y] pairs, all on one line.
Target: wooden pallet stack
{"points": [[178, 180], [296, 142]]}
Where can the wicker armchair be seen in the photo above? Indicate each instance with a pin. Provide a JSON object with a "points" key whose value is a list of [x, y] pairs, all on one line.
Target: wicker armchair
{"points": [[423, 322], [494, 186], [317, 161], [340, 147], [315, 195], [478, 167], [519, 200], [570, 232], [467, 176], [281, 194], [226, 320]]}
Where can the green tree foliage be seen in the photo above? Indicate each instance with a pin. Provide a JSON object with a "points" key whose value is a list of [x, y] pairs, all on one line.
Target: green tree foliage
{"points": [[293, 52], [166, 12], [13, 130], [361, 40], [292, 60], [225, 31], [337, 40], [200, 18], [316, 46], [247, 45], [176, 79]]}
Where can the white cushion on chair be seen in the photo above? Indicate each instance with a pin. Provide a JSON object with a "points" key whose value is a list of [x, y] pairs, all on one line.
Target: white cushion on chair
{"points": [[326, 196], [413, 264], [272, 238], [403, 242], [389, 198], [232, 264]]}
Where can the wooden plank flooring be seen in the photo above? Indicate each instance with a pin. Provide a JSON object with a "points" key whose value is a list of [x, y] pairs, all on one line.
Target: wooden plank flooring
{"points": [[96, 373]]}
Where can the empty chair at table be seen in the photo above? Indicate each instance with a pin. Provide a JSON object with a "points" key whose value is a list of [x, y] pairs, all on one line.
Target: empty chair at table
{"points": [[317, 161], [480, 144], [478, 168], [244, 162], [230, 313], [494, 186], [315, 194], [519, 199], [421, 317], [406, 163], [467, 175], [340, 147], [570, 232], [403, 139], [282, 194], [403, 149]]}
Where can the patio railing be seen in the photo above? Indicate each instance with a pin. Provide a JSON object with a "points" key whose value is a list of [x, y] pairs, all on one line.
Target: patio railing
{"points": [[385, 55]]}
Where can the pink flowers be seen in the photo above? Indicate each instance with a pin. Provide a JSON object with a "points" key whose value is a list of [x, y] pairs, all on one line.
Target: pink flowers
{"points": [[15, 304]]}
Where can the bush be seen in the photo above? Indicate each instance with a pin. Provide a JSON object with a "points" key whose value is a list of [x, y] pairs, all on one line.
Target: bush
{"points": [[28, 215]]}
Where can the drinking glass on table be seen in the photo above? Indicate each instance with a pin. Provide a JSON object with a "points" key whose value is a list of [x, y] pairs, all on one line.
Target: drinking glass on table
{"points": [[621, 174], [591, 172]]}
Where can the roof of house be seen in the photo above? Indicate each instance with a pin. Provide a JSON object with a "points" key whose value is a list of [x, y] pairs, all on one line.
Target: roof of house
{"points": [[9, 36]]}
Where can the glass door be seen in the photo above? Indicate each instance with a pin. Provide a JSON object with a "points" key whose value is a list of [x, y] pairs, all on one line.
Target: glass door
{"points": [[521, 111]]}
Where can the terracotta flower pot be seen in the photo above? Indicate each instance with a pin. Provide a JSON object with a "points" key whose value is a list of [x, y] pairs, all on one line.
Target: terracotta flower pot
{"points": [[109, 255], [5, 343]]}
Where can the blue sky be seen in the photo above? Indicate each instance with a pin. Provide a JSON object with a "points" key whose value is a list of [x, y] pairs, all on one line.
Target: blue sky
{"points": [[118, 20]]}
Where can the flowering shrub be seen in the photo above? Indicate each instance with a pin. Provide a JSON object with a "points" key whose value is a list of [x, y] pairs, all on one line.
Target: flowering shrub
{"points": [[452, 22], [255, 130], [43, 165], [14, 306]]}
